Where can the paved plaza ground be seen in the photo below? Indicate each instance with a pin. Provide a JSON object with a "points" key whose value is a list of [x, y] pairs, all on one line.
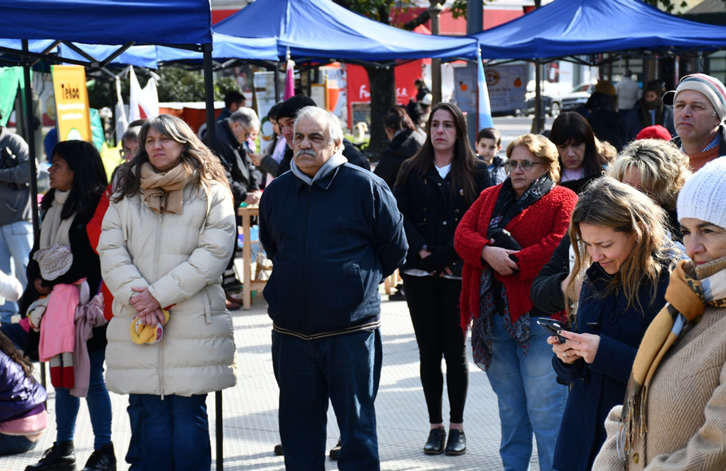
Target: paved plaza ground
{"points": [[250, 409]]}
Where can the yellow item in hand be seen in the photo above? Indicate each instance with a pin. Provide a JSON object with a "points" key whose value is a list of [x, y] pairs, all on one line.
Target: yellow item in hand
{"points": [[143, 334]]}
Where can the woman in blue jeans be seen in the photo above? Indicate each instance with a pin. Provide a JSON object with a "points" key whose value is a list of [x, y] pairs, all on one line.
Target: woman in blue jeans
{"points": [[77, 181], [163, 249], [527, 211]]}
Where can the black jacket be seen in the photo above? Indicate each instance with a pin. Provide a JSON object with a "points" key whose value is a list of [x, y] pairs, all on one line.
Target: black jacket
{"points": [[242, 175], [430, 214], [545, 292], [350, 152], [403, 145]]}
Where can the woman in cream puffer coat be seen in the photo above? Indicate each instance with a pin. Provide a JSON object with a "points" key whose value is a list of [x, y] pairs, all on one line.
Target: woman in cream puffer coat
{"points": [[164, 246]]}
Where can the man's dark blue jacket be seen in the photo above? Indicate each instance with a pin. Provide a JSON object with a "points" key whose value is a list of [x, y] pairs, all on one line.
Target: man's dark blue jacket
{"points": [[331, 244]]}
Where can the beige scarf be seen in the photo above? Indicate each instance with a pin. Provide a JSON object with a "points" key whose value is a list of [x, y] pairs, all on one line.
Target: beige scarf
{"points": [[164, 192], [690, 290]]}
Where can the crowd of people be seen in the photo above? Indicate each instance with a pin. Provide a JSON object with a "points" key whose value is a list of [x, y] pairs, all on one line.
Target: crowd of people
{"points": [[587, 267]]}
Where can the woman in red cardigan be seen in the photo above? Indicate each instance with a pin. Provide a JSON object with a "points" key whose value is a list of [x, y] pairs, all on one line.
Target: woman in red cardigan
{"points": [[530, 210]]}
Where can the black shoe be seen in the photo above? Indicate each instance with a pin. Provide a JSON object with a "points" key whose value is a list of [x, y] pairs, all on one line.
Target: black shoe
{"points": [[335, 451], [59, 457], [457, 443], [435, 443], [102, 459], [278, 450]]}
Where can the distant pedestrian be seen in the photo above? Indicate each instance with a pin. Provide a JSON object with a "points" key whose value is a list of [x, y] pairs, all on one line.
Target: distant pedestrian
{"points": [[627, 90]]}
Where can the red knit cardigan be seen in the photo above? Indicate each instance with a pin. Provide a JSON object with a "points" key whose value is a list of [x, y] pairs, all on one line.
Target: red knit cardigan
{"points": [[538, 229]]}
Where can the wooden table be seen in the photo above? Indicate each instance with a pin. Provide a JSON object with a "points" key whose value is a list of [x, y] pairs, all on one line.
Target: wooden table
{"points": [[248, 284]]}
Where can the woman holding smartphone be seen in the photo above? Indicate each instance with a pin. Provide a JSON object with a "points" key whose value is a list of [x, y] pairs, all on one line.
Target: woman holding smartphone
{"points": [[630, 257]]}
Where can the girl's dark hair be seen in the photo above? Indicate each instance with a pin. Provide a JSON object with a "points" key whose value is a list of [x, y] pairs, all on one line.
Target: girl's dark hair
{"points": [[272, 114], [196, 156], [89, 177], [398, 118], [573, 128], [463, 165], [7, 346]]}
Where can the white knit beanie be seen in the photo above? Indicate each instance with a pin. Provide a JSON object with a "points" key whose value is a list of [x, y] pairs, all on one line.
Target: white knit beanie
{"points": [[704, 194]]}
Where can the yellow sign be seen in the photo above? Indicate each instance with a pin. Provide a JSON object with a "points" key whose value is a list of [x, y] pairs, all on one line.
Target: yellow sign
{"points": [[71, 102]]}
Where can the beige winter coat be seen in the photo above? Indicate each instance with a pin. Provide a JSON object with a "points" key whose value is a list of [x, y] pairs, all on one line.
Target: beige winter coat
{"points": [[180, 257], [686, 407]]}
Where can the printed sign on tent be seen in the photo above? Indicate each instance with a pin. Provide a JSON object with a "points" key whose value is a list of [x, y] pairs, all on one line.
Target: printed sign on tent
{"points": [[71, 102]]}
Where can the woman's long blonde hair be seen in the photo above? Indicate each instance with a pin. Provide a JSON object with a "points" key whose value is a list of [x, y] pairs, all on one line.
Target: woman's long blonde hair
{"points": [[608, 203]]}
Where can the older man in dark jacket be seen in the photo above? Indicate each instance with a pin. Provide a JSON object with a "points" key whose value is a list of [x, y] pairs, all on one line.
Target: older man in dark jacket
{"points": [[334, 233], [244, 179]]}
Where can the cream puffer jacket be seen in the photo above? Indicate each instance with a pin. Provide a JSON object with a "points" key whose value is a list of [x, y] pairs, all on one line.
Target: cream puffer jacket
{"points": [[180, 258]]}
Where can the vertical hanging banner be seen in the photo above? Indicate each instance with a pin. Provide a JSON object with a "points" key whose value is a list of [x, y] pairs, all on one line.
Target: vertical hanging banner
{"points": [[71, 102]]}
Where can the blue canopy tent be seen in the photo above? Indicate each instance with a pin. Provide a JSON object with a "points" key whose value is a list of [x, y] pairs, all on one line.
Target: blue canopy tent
{"points": [[321, 29], [566, 28], [184, 24]]}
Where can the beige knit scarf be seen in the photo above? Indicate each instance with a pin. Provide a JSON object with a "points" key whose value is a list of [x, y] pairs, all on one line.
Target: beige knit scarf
{"points": [[164, 192], [690, 290]]}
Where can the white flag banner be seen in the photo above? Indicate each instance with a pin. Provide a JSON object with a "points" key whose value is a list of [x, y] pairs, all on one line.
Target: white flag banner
{"points": [[143, 102], [121, 122]]}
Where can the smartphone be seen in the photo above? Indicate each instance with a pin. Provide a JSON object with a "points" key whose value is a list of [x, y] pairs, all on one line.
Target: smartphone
{"points": [[551, 326]]}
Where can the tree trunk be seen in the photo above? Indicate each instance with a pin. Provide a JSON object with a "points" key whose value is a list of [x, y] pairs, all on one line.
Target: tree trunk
{"points": [[383, 97]]}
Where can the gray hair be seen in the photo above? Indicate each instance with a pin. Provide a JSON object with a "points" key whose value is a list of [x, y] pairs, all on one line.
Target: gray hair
{"points": [[246, 117], [335, 130]]}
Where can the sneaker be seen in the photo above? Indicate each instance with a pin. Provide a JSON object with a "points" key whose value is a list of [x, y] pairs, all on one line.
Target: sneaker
{"points": [[335, 451]]}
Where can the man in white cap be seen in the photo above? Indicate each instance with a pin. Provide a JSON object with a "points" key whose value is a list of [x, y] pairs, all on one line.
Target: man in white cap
{"points": [[699, 110]]}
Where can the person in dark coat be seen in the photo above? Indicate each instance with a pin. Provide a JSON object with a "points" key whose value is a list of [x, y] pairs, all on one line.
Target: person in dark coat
{"points": [[649, 111], [602, 114], [405, 142], [328, 219], [244, 179], [434, 189], [620, 233]]}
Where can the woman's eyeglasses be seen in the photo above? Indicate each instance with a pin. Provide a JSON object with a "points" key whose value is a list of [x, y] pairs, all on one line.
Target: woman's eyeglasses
{"points": [[523, 164]]}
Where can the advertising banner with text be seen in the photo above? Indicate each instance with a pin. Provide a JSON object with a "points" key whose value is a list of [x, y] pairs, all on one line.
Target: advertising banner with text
{"points": [[71, 98]]}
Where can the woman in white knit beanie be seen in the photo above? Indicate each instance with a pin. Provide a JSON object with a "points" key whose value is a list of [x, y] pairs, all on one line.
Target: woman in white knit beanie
{"points": [[674, 416]]}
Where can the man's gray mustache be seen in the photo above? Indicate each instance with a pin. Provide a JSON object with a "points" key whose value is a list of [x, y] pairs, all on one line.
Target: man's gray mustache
{"points": [[309, 152]]}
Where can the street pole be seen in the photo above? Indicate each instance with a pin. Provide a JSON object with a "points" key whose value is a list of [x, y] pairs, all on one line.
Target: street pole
{"points": [[435, 13], [474, 24]]}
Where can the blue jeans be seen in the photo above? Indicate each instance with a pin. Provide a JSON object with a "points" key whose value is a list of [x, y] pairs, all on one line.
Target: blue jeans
{"points": [[16, 240], [177, 428], [135, 453], [99, 406], [345, 369], [14, 444], [530, 399]]}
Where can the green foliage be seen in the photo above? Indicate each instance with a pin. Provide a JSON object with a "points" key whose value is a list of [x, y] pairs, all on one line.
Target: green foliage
{"points": [[178, 84]]}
